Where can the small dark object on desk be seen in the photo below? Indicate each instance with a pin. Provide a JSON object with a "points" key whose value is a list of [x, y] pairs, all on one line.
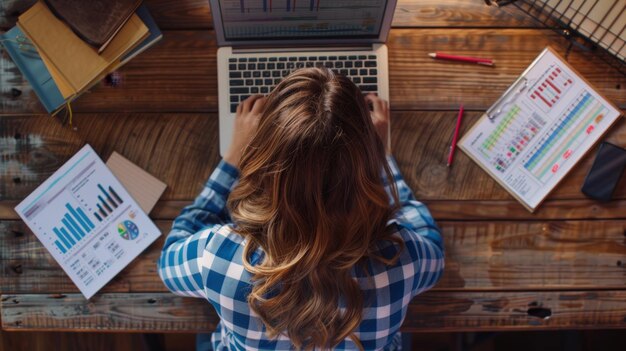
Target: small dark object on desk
{"points": [[113, 79], [605, 172]]}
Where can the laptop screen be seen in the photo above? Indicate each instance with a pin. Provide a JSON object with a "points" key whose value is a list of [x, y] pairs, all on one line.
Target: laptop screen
{"points": [[249, 20]]}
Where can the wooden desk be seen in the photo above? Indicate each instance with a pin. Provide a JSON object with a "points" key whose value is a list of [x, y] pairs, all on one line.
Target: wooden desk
{"points": [[507, 269]]}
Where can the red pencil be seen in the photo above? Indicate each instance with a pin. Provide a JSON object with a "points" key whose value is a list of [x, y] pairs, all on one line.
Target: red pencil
{"points": [[456, 135], [478, 60]]}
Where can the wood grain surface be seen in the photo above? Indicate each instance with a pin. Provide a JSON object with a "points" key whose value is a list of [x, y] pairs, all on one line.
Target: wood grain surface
{"points": [[433, 311], [196, 14], [181, 150], [455, 210], [179, 73], [486, 256], [506, 269], [41, 341]]}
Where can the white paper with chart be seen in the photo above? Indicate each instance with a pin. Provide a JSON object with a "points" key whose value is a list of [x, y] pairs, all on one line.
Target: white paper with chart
{"points": [[539, 129], [87, 221]]}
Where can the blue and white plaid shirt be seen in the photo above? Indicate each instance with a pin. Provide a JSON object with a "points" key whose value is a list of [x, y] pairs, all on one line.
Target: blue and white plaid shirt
{"points": [[202, 257]]}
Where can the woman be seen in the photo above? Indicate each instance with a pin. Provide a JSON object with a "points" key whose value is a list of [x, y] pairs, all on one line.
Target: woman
{"points": [[306, 235]]}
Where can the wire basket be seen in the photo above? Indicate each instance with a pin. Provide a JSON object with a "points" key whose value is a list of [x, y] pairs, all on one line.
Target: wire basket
{"points": [[597, 26]]}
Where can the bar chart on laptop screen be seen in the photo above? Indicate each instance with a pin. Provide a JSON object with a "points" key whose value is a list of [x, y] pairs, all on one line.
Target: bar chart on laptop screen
{"points": [[257, 19]]}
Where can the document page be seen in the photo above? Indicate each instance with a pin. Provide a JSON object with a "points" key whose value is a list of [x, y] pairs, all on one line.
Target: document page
{"points": [[540, 128], [88, 222]]}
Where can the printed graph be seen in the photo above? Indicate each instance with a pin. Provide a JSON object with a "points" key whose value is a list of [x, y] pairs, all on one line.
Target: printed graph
{"points": [[572, 129], [575, 121], [128, 230], [108, 201], [85, 202], [549, 89], [510, 137], [74, 226], [64, 212]]}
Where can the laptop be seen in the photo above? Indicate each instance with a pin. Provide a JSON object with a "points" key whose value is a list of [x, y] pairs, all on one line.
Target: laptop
{"points": [[262, 41]]}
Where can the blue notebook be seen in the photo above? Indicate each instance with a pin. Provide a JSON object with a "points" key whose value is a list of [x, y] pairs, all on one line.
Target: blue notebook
{"points": [[33, 68], [154, 35]]}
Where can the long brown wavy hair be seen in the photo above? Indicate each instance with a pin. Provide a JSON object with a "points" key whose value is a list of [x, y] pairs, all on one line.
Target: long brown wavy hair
{"points": [[311, 195]]}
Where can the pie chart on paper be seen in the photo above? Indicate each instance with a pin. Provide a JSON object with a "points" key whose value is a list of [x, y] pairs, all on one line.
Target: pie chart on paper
{"points": [[128, 230]]}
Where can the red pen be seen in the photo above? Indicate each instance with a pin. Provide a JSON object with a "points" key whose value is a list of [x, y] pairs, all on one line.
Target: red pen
{"points": [[477, 60], [456, 135]]}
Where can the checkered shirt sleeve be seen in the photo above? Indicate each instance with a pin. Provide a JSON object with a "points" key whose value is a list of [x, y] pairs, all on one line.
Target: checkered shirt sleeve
{"points": [[180, 265], [421, 234], [202, 257]]}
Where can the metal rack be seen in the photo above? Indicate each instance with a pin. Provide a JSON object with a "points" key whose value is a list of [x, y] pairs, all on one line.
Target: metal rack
{"points": [[598, 26]]}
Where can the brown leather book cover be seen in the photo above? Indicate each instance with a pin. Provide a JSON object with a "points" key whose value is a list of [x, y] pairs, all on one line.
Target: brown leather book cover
{"points": [[94, 21]]}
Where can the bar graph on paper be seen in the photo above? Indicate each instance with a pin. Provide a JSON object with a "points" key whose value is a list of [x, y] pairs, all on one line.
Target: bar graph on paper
{"points": [[74, 221], [87, 200], [576, 124], [108, 200], [550, 87], [515, 131], [545, 123], [87, 221]]}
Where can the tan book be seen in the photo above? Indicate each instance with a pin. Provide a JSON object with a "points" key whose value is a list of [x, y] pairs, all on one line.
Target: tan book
{"points": [[74, 62], [66, 91], [64, 87], [145, 188]]}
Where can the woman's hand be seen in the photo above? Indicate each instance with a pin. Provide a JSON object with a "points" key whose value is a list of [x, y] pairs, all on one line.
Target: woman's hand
{"points": [[246, 122], [380, 118]]}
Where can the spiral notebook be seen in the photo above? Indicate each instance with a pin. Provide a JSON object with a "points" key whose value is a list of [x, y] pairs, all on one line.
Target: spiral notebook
{"points": [[539, 129]]}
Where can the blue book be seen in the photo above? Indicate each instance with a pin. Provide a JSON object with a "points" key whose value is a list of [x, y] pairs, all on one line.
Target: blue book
{"points": [[154, 36], [31, 65]]}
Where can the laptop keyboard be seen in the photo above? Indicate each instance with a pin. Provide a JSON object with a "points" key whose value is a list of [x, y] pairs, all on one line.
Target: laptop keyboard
{"points": [[259, 75]]}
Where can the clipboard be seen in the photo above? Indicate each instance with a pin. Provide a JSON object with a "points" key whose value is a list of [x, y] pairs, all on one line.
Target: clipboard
{"points": [[539, 129]]}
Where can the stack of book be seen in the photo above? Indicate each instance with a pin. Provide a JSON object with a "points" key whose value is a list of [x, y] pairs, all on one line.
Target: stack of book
{"points": [[64, 47]]}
